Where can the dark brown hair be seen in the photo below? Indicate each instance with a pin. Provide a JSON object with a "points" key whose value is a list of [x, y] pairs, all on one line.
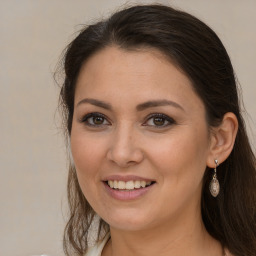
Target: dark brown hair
{"points": [[196, 50]]}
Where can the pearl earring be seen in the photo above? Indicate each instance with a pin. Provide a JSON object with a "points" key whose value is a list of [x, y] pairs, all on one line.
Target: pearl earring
{"points": [[214, 184]]}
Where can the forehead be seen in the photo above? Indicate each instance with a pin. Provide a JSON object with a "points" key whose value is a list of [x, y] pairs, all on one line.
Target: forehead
{"points": [[114, 62], [140, 74]]}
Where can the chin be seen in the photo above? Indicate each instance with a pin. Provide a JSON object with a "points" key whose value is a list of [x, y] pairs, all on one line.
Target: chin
{"points": [[129, 220]]}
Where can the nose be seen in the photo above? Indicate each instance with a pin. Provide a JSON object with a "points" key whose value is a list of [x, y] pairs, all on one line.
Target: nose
{"points": [[125, 149]]}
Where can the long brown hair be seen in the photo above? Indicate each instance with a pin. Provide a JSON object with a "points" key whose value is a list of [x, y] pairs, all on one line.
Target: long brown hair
{"points": [[196, 50]]}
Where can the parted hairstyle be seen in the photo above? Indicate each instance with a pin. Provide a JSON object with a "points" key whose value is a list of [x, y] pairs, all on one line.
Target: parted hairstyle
{"points": [[195, 49]]}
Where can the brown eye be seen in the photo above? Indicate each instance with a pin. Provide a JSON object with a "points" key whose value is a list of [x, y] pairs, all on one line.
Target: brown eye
{"points": [[159, 121], [98, 120], [95, 119]]}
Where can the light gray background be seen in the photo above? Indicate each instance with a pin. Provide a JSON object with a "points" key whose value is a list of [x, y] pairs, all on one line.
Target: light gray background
{"points": [[32, 153]]}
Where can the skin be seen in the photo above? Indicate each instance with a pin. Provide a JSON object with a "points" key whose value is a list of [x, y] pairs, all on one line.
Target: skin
{"points": [[128, 141]]}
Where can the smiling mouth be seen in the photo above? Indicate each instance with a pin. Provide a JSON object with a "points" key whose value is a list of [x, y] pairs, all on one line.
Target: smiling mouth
{"points": [[128, 185]]}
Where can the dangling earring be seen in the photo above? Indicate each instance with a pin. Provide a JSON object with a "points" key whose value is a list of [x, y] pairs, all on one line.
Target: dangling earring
{"points": [[214, 184]]}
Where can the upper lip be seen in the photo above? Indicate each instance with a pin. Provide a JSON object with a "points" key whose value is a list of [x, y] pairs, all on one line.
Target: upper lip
{"points": [[126, 178]]}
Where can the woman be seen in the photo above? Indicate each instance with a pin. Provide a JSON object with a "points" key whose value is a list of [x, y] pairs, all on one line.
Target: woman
{"points": [[158, 145]]}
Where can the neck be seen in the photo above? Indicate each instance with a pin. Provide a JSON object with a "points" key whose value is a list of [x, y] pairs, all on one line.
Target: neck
{"points": [[177, 238]]}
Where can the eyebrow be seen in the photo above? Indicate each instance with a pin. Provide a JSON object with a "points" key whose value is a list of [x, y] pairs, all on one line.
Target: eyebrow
{"points": [[158, 103], [140, 107], [95, 102]]}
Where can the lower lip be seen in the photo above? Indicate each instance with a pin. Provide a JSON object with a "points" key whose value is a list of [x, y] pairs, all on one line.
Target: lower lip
{"points": [[126, 195]]}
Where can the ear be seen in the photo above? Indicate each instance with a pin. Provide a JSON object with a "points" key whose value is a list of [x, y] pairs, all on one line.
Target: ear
{"points": [[222, 139]]}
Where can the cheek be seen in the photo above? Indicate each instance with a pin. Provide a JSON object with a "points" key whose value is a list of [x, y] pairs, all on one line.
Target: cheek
{"points": [[182, 155], [87, 154], [87, 158]]}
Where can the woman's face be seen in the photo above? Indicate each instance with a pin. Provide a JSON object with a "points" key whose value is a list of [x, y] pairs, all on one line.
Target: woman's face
{"points": [[138, 122]]}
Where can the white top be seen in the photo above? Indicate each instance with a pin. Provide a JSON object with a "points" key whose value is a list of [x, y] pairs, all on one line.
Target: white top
{"points": [[97, 249]]}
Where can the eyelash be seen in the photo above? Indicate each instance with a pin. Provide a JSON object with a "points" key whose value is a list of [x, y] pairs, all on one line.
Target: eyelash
{"points": [[94, 115], [167, 120]]}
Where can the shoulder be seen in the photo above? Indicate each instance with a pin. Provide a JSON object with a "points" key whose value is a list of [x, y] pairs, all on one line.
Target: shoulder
{"points": [[96, 250]]}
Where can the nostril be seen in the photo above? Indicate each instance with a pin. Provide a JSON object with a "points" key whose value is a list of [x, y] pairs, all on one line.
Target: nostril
{"points": [[125, 155]]}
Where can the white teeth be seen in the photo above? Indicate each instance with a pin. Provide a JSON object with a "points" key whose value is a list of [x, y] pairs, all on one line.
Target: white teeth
{"points": [[129, 185], [137, 184], [111, 184], [143, 184], [121, 184], [115, 184]]}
